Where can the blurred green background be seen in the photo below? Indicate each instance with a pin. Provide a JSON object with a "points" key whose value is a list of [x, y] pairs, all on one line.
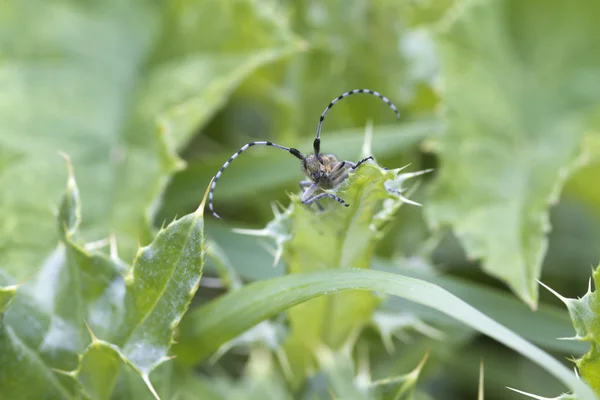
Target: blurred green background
{"points": [[149, 98]]}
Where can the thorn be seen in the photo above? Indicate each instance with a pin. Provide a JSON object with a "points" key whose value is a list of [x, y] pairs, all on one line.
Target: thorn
{"points": [[409, 175], [275, 209], [427, 330], [352, 340], [112, 242], [68, 160], [224, 348], [533, 396], [276, 253], [480, 395], [284, 362], [70, 172], [167, 358], [63, 372], [64, 155], [577, 338], [251, 232], [554, 292], [200, 210], [404, 199], [363, 375], [94, 338], [423, 361], [277, 257], [388, 342], [281, 206], [146, 379], [98, 244], [367, 148]]}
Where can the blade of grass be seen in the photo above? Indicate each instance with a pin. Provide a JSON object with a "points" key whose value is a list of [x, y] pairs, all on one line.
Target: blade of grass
{"points": [[208, 327]]}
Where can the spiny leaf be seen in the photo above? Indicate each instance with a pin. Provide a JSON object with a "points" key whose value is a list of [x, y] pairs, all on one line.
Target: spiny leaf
{"points": [[339, 237], [136, 82], [206, 328], [519, 89], [48, 318], [163, 281], [585, 314]]}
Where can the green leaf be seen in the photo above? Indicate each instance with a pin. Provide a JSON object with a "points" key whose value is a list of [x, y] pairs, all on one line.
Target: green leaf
{"points": [[585, 314], [134, 83], [339, 237], [541, 327], [144, 304], [520, 87], [207, 327]]}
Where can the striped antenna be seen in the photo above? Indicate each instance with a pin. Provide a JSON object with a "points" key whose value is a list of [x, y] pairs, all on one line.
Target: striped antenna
{"points": [[291, 150], [317, 142]]}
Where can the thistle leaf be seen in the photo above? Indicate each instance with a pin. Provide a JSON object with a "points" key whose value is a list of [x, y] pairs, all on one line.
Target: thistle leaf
{"points": [[79, 289], [339, 237], [585, 314], [135, 83], [520, 87]]}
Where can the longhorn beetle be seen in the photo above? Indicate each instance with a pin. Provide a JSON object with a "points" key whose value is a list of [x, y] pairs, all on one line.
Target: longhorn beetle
{"points": [[323, 171]]}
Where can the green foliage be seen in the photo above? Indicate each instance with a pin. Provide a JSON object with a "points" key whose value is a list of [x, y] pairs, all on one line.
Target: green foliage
{"points": [[585, 314], [74, 295], [119, 120], [147, 99], [206, 328], [519, 91], [337, 238]]}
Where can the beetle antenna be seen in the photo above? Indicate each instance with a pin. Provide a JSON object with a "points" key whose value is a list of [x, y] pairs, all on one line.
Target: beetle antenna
{"points": [[317, 142], [291, 150]]}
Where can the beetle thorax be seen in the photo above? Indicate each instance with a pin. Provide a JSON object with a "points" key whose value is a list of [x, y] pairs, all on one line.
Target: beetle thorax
{"points": [[319, 168]]}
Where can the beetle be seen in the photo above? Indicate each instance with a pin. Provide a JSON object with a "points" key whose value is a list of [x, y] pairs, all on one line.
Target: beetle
{"points": [[323, 171]]}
